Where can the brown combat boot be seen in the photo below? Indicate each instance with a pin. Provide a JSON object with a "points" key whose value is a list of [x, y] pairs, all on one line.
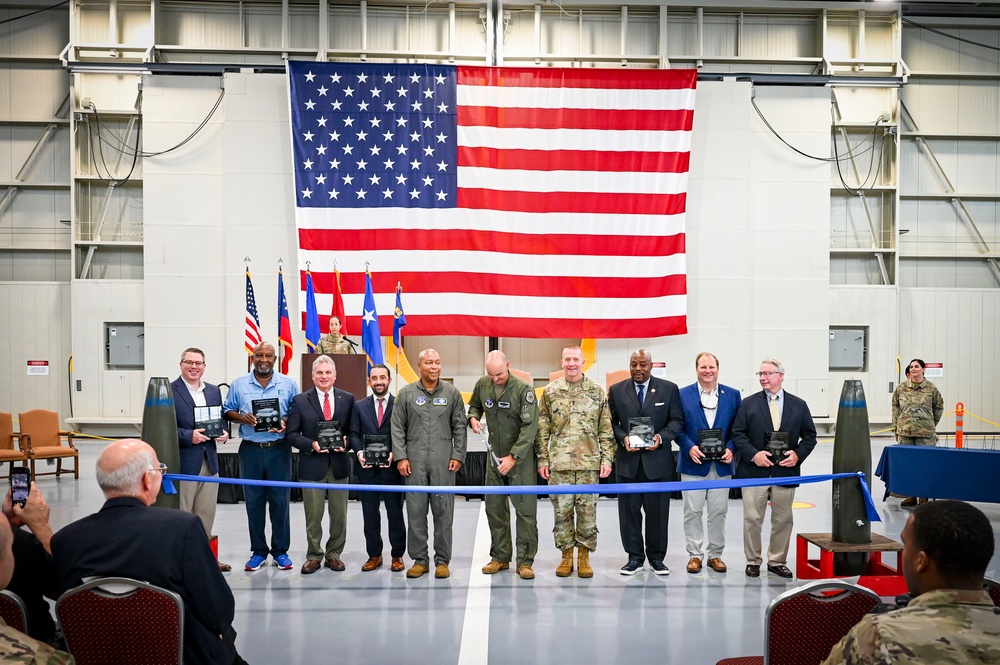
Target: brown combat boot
{"points": [[565, 566], [583, 568]]}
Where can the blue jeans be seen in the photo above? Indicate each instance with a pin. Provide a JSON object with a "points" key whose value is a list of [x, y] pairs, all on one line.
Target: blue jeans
{"points": [[274, 463]]}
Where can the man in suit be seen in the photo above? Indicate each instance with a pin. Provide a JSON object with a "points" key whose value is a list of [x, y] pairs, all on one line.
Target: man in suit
{"points": [[708, 405], [168, 548], [199, 456], [637, 461], [761, 414], [373, 415], [323, 463]]}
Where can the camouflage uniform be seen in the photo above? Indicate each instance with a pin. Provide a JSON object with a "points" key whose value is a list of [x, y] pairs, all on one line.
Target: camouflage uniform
{"points": [[327, 344], [574, 440], [916, 410], [943, 627], [16, 647], [512, 421]]}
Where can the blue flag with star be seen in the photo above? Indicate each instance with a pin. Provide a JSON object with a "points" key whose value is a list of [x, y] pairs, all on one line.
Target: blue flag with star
{"points": [[371, 336]]}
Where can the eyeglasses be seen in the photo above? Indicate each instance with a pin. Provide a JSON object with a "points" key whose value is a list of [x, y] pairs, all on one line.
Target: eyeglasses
{"points": [[161, 469], [193, 363], [767, 373]]}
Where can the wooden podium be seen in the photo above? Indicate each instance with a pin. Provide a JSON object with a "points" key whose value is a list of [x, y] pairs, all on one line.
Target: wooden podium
{"points": [[352, 372]]}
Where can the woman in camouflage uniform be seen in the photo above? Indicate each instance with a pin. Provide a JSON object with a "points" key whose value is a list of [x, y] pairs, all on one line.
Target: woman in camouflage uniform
{"points": [[917, 407], [334, 342]]}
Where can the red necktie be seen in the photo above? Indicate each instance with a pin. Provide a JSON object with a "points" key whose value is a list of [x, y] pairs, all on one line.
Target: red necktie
{"points": [[381, 411], [327, 411]]}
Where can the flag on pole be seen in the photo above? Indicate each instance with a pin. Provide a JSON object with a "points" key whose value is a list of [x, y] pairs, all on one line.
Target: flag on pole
{"points": [[284, 326], [371, 336], [521, 202], [312, 315], [252, 338], [338, 302], [398, 317]]}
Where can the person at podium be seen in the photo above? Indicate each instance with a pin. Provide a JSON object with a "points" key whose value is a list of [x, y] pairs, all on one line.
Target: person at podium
{"points": [[334, 341]]}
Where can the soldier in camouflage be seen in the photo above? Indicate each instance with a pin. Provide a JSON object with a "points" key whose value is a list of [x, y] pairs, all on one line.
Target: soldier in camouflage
{"points": [[511, 412], [575, 445], [947, 546], [917, 407], [334, 342]]}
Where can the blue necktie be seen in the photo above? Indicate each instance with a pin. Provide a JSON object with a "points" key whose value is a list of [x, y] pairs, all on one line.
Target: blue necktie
{"points": [[642, 392]]}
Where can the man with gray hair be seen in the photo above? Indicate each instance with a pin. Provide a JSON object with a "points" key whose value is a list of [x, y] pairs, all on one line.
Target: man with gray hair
{"points": [[318, 423], [168, 548], [774, 433]]}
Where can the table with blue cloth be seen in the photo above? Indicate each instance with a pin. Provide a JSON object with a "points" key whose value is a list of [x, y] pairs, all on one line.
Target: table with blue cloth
{"points": [[941, 473]]}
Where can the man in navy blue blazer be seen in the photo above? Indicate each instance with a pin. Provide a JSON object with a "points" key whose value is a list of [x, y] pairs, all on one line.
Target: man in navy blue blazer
{"points": [[199, 456], [372, 415], [322, 465], [707, 405], [771, 410]]}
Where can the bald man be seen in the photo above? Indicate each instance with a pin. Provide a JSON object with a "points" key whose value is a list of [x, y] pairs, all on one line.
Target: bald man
{"points": [[168, 548], [508, 404]]}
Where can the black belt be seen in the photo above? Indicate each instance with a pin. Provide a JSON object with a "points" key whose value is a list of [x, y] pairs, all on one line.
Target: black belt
{"points": [[265, 444]]}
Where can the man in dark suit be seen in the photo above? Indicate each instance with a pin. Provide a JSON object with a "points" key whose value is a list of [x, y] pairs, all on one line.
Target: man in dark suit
{"points": [[372, 415], [199, 456], [761, 414], [323, 463], [168, 548], [644, 397]]}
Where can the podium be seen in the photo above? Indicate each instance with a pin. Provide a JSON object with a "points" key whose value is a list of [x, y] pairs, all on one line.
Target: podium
{"points": [[352, 372]]}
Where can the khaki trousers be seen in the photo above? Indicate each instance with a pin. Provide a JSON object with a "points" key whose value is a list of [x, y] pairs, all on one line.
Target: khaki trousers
{"points": [[754, 505]]}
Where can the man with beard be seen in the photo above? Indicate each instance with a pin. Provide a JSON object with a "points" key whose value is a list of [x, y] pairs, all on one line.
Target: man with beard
{"points": [[264, 455]]}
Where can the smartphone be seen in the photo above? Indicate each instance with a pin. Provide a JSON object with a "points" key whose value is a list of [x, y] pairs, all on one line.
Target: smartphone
{"points": [[20, 484]]}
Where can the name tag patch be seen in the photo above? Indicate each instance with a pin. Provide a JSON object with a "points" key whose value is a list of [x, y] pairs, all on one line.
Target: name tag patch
{"points": [[440, 401]]}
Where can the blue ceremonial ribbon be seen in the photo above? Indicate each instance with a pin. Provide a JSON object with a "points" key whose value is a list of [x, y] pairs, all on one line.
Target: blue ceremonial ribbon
{"points": [[610, 488], [168, 487]]}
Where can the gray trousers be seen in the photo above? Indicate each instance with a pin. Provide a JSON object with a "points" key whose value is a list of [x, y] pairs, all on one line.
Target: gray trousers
{"points": [[695, 502], [200, 499], [442, 507], [315, 503], [754, 506]]}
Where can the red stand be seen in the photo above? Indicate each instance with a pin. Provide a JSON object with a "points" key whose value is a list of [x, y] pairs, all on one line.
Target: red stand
{"points": [[213, 542], [880, 577]]}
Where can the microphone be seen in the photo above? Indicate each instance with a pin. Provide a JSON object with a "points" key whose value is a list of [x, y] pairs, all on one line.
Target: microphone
{"points": [[349, 340]]}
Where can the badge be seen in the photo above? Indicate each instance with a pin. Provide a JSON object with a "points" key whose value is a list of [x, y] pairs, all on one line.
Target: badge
{"points": [[529, 396], [440, 401], [421, 400], [489, 402], [503, 405]]}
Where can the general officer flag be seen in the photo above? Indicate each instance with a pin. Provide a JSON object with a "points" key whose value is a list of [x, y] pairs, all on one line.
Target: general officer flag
{"points": [[371, 336], [398, 317], [525, 202]]}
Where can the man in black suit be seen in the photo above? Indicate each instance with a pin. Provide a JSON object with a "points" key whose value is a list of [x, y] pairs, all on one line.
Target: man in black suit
{"points": [[772, 410], [372, 416], [323, 462], [168, 548], [199, 456], [658, 400]]}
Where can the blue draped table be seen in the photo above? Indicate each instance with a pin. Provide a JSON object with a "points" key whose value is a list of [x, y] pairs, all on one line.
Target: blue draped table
{"points": [[941, 473]]}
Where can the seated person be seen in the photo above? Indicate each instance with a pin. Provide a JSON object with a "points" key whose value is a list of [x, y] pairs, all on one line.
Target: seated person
{"points": [[947, 546]]}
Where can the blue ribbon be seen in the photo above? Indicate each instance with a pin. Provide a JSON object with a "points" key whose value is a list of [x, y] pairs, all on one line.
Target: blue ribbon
{"points": [[610, 488]]}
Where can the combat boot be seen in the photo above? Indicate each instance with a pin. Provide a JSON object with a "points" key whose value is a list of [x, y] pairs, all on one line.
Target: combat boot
{"points": [[583, 568], [565, 566]]}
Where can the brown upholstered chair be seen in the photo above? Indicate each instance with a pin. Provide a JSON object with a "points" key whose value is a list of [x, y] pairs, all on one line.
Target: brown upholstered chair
{"points": [[556, 375], [41, 438], [521, 374], [617, 376], [9, 451]]}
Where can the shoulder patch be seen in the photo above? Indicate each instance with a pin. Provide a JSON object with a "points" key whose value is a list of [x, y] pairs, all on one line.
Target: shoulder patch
{"points": [[529, 396]]}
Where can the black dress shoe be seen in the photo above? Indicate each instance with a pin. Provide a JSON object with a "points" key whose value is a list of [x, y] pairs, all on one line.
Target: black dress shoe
{"points": [[780, 571], [632, 567], [659, 567], [752, 570]]}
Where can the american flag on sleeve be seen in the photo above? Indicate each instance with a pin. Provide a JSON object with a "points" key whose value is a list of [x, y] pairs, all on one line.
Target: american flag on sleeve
{"points": [[515, 202]]}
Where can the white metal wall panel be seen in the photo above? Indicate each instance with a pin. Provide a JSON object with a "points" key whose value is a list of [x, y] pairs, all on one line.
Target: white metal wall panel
{"points": [[876, 309], [45, 33], [262, 26]]}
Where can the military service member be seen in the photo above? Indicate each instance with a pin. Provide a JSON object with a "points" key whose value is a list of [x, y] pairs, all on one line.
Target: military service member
{"points": [[511, 413], [334, 341], [917, 407], [429, 442], [575, 445], [947, 546]]}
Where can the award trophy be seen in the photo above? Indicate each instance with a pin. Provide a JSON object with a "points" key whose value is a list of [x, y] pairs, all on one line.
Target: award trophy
{"points": [[711, 444], [267, 414], [778, 445], [329, 436], [640, 432], [377, 450], [209, 418]]}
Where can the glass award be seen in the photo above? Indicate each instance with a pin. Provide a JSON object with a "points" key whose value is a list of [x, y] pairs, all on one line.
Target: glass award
{"points": [[329, 436], [377, 449], [209, 418], [640, 432], [778, 445], [711, 444], [267, 414]]}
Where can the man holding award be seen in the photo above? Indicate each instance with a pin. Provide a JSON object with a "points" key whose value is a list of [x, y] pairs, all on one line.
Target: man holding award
{"points": [[707, 452], [646, 416], [259, 402], [774, 433], [199, 427], [318, 423]]}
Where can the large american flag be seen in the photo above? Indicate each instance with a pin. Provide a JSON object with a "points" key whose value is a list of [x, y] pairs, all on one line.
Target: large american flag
{"points": [[506, 201]]}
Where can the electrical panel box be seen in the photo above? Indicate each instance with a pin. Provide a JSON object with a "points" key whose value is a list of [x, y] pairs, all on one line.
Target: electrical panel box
{"points": [[849, 348], [123, 345]]}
